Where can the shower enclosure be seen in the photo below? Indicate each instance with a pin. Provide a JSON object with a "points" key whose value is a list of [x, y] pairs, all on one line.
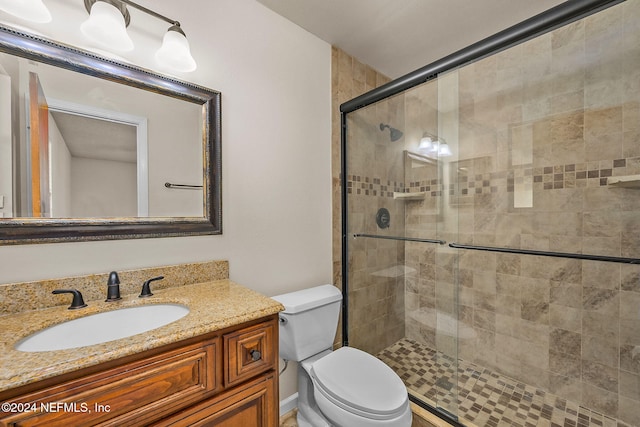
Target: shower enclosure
{"points": [[491, 224]]}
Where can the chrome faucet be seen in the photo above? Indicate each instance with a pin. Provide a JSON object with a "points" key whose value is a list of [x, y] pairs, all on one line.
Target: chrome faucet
{"points": [[113, 287]]}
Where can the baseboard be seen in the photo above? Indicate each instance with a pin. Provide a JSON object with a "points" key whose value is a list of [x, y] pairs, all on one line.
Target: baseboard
{"points": [[288, 404]]}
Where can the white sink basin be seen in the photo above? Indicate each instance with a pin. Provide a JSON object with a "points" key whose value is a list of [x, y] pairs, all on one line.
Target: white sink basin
{"points": [[103, 327]]}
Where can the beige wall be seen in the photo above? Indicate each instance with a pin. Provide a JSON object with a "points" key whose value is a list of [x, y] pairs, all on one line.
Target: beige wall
{"points": [[91, 196], [5, 143], [60, 175], [275, 83]]}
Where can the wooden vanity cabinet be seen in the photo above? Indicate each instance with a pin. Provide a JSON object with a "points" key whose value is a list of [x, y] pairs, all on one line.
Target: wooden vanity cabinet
{"points": [[249, 405], [227, 378]]}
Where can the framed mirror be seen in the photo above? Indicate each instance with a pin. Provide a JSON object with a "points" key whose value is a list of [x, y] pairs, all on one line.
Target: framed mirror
{"points": [[96, 149]]}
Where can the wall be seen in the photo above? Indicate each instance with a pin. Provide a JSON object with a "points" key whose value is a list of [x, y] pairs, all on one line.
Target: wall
{"points": [[275, 84], [103, 188], [6, 193], [61, 175]]}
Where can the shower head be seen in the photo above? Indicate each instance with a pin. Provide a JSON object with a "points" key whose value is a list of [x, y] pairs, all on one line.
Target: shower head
{"points": [[395, 134]]}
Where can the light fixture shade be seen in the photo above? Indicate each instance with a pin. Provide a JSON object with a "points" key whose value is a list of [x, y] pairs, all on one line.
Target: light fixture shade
{"points": [[106, 27], [426, 144], [29, 10], [175, 52], [444, 150]]}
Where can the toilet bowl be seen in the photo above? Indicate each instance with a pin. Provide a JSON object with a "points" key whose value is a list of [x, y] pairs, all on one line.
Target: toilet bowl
{"points": [[346, 387], [353, 388]]}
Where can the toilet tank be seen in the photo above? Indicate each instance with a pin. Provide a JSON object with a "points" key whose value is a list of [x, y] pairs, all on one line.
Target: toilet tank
{"points": [[309, 321]]}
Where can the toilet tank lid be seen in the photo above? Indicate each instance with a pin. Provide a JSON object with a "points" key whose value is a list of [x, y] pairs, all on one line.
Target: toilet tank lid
{"points": [[306, 299]]}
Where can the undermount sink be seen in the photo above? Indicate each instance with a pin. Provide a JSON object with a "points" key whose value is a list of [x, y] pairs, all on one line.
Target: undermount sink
{"points": [[103, 327]]}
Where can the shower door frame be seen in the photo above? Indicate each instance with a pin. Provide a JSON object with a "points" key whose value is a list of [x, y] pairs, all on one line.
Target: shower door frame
{"points": [[561, 15]]}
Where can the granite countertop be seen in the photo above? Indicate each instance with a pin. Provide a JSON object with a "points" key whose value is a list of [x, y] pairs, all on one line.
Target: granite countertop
{"points": [[213, 306]]}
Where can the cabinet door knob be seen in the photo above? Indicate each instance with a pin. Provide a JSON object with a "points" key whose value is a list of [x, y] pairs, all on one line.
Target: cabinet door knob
{"points": [[255, 355]]}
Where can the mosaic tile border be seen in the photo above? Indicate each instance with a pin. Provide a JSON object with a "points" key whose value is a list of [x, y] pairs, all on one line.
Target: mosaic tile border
{"points": [[573, 175], [357, 184], [484, 397]]}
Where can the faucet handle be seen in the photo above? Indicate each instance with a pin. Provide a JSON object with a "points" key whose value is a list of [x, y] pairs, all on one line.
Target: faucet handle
{"points": [[113, 287], [113, 279], [78, 301], [146, 289]]}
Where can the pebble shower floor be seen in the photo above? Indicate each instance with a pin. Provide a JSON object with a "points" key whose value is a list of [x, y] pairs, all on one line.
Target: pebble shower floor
{"points": [[485, 398]]}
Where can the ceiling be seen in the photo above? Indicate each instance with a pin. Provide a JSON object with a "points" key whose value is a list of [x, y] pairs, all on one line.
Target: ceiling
{"points": [[396, 37], [100, 139]]}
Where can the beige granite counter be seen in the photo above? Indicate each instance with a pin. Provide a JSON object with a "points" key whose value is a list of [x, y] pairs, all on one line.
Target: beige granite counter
{"points": [[25, 296], [213, 305]]}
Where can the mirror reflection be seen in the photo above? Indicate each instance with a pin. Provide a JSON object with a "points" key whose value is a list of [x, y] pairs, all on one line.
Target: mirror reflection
{"points": [[77, 146]]}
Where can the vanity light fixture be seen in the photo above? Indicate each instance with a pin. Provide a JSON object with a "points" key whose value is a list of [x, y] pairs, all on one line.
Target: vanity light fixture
{"points": [[107, 24], [29, 10], [432, 145]]}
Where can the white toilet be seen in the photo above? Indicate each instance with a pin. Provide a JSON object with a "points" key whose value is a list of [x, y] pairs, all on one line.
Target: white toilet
{"points": [[346, 387]]}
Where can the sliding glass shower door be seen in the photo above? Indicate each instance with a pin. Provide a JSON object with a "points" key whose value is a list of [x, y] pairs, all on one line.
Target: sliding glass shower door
{"points": [[402, 296], [492, 221]]}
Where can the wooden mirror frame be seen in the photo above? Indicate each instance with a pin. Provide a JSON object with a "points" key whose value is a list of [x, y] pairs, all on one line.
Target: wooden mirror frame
{"points": [[47, 230]]}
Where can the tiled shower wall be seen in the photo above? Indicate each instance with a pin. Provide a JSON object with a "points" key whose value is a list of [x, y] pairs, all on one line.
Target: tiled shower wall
{"points": [[376, 306], [349, 78], [376, 266], [541, 127]]}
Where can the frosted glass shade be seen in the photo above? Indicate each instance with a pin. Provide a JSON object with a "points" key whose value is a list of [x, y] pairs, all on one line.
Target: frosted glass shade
{"points": [[106, 27], [426, 144], [175, 53], [29, 10], [444, 150]]}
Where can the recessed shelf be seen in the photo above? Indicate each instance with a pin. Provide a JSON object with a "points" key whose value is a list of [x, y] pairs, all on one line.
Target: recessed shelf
{"points": [[409, 196], [626, 181]]}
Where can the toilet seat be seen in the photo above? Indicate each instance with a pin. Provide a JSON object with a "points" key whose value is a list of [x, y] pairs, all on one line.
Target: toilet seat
{"points": [[360, 383]]}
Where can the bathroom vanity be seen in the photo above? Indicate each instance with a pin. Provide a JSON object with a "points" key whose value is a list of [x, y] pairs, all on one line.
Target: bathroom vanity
{"points": [[216, 366]]}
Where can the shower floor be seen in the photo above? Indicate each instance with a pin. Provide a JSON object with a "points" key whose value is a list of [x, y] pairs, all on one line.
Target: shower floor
{"points": [[485, 398]]}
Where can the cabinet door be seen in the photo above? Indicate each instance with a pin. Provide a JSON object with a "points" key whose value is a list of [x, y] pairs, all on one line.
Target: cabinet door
{"points": [[126, 395], [251, 405], [250, 351]]}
